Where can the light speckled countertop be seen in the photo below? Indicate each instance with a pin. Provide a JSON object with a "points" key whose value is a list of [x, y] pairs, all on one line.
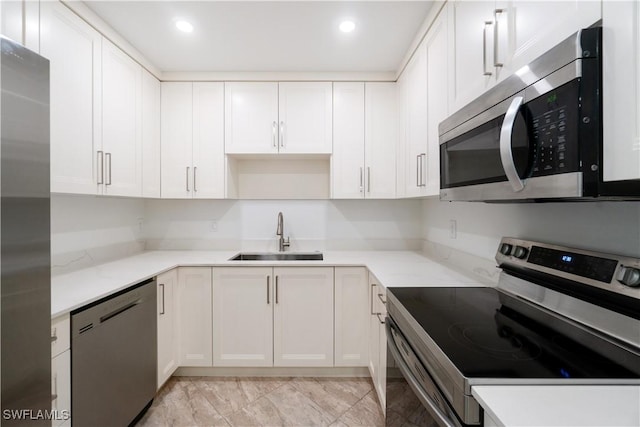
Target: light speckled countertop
{"points": [[506, 405]]}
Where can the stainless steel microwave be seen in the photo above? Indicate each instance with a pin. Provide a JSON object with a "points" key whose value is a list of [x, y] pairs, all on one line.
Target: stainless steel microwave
{"points": [[537, 135]]}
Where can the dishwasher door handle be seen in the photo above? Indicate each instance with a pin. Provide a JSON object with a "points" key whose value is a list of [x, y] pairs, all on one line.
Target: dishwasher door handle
{"points": [[119, 310]]}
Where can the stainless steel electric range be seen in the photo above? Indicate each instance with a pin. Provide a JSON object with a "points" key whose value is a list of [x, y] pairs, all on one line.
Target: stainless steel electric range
{"points": [[558, 316]]}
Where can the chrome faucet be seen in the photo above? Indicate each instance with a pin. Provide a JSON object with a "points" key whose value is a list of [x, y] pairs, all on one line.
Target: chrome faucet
{"points": [[282, 243]]}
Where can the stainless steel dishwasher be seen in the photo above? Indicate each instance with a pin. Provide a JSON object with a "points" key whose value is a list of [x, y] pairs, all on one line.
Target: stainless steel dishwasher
{"points": [[114, 358]]}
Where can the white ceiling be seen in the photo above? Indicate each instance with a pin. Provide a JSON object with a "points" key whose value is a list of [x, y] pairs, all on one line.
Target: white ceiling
{"points": [[268, 36]]}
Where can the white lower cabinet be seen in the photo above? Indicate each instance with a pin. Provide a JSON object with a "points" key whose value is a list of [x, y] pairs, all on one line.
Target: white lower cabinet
{"points": [[303, 316], [378, 338], [280, 316], [351, 317], [167, 325], [61, 369], [243, 316], [194, 316]]}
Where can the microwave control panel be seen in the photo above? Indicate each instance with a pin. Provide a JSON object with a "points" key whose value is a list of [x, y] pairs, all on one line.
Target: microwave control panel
{"points": [[553, 119]]}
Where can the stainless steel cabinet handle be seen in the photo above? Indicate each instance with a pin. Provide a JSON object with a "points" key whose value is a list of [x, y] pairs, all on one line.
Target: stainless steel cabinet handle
{"points": [[268, 290], [107, 159], [423, 168], [100, 165], [484, 48], [162, 286], [373, 285], [195, 174], [276, 289], [274, 127], [361, 179], [506, 154], [54, 335], [187, 178], [54, 395], [282, 134], [382, 300], [418, 160], [379, 319], [496, 32], [368, 179]]}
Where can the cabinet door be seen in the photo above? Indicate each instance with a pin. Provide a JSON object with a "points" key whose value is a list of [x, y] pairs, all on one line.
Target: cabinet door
{"points": [[381, 378], [416, 121], [621, 90], [243, 316], [194, 316], [176, 140], [381, 139], [374, 335], [150, 135], [74, 51], [471, 48], [347, 161], [167, 325], [303, 316], [528, 29], [121, 122], [351, 317], [208, 140], [305, 117], [437, 107], [61, 386], [251, 118]]}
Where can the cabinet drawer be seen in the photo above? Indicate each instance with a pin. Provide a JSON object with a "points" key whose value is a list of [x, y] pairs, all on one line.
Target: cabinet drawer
{"points": [[60, 334]]}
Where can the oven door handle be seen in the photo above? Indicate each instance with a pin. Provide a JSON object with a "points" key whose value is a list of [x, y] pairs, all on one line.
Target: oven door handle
{"points": [[421, 394], [506, 153]]}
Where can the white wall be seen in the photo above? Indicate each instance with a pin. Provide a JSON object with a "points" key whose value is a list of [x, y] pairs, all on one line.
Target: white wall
{"points": [[87, 230], [311, 224], [603, 226]]}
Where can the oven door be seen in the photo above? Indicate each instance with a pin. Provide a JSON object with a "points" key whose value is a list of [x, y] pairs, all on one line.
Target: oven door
{"points": [[405, 393]]}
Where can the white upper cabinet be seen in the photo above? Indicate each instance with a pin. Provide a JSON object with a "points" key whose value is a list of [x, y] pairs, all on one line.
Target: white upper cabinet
{"points": [[243, 300], [121, 122], [192, 155], [305, 120], [251, 118], [150, 135], [347, 161], [262, 118], [303, 316], [621, 90], [74, 51], [490, 40], [381, 140]]}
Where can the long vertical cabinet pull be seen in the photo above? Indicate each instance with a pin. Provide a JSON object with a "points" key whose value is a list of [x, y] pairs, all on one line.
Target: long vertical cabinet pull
{"points": [[268, 290], [274, 131], [195, 173], [187, 178], [282, 134], [496, 31], [107, 160], [361, 179], [162, 287], [276, 289], [368, 180], [100, 165], [373, 286], [484, 48], [418, 174]]}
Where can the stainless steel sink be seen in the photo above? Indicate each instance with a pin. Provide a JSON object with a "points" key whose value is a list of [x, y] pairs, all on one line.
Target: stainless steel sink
{"points": [[278, 256]]}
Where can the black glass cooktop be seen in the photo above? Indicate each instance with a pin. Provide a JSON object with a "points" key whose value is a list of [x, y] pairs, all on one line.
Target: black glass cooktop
{"points": [[486, 338]]}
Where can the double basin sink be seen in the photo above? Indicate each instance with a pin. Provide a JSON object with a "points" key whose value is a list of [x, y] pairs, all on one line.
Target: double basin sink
{"points": [[278, 256]]}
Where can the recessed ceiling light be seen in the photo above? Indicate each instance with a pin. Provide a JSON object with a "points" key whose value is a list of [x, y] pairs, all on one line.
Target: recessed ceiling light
{"points": [[184, 26], [347, 26]]}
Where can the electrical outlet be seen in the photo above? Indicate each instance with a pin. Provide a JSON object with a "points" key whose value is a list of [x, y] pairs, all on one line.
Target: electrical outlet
{"points": [[453, 229], [214, 226]]}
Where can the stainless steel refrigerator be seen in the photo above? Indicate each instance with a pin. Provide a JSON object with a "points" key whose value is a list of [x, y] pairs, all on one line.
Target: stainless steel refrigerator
{"points": [[25, 248]]}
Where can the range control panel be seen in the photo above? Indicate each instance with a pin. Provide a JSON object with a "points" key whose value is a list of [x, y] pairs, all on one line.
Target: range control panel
{"points": [[597, 269]]}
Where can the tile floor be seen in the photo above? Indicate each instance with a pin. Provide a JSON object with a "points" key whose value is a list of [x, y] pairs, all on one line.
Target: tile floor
{"points": [[257, 401]]}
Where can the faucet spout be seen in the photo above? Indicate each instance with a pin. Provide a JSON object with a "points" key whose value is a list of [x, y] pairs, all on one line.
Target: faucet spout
{"points": [[282, 242]]}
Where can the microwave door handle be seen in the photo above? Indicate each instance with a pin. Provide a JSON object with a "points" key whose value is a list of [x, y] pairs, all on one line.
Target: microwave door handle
{"points": [[506, 154]]}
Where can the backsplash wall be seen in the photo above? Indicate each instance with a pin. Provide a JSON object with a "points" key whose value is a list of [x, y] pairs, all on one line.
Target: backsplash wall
{"points": [[601, 226], [311, 224], [86, 230]]}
